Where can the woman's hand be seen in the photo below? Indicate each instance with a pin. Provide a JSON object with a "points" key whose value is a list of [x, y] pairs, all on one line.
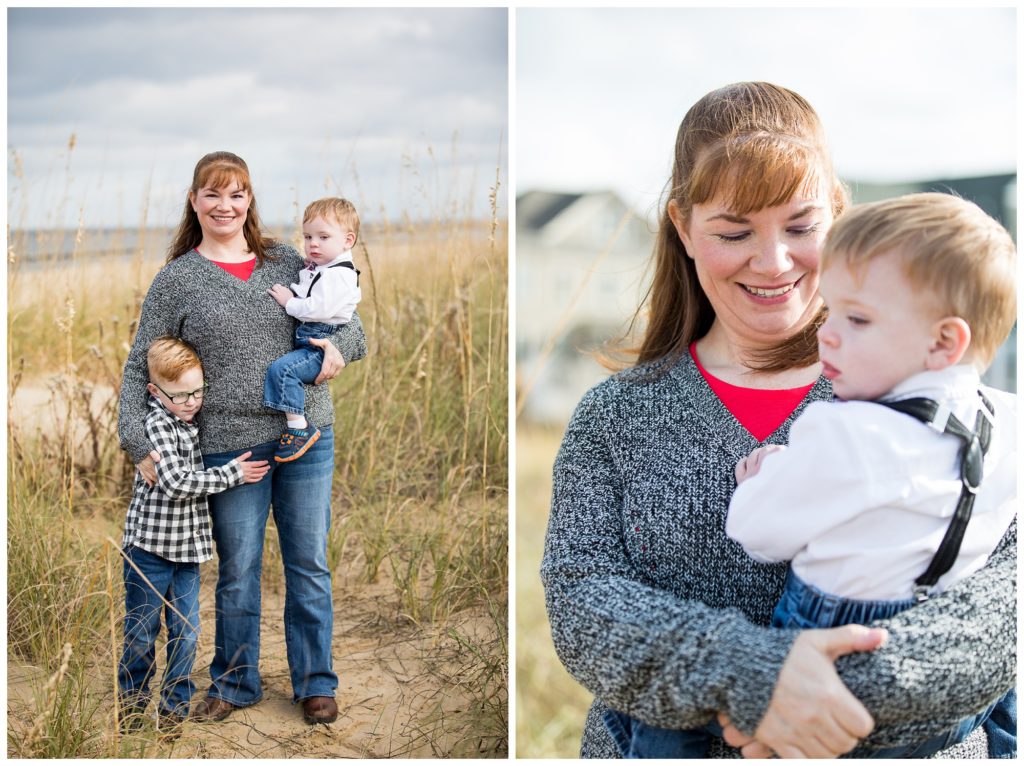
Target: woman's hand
{"points": [[812, 714], [147, 467], [333, 363]]}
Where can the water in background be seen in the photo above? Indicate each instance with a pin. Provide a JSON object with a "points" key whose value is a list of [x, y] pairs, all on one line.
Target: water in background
{"points": [[33, 248]]}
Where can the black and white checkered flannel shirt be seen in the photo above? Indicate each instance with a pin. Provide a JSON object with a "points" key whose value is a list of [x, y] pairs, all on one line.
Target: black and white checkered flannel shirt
{"points": [[172, 518]]}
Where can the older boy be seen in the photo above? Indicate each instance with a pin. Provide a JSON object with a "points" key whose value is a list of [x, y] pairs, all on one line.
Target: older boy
{"points": [[167, 535], [324, 298]]}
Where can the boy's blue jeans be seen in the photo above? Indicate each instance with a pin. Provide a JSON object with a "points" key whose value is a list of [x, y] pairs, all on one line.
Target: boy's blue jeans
{"points": [[804, 606], [177, 584], [283, 385]]}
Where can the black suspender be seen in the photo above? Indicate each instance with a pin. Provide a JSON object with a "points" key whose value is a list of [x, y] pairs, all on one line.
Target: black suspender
{"points": [[972, 457], [346, 264]]}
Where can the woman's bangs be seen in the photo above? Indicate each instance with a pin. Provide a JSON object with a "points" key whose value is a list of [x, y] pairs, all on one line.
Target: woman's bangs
{"points": [[752, 173], [222, 175]]}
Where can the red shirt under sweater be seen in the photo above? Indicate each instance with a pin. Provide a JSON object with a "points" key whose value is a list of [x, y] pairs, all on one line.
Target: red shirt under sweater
{"points": [[760, 411], [241, 270]]}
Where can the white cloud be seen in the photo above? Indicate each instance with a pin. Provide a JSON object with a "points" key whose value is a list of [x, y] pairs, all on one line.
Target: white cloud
{"points": [[298, 93]]}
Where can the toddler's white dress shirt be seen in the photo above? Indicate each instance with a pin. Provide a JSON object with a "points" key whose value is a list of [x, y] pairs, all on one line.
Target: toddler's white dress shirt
{"points": [[860, 499]]}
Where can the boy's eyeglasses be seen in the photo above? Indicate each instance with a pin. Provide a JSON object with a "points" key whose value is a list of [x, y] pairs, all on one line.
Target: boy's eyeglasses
{"points": [[184, 397]]}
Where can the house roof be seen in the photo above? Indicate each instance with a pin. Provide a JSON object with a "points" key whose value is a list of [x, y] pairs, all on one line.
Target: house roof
{"points": [[536, 209]]}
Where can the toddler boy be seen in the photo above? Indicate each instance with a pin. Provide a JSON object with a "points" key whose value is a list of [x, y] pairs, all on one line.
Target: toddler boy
{"points": [[167, 535], [870, 504], [324, 298]]}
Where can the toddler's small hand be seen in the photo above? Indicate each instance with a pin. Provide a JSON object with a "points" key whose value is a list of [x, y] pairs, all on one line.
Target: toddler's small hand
{"points": [[281, 294], [751, 464], [252, 470]]}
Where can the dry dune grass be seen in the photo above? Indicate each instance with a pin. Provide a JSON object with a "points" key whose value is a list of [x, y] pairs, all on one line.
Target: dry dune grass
{"points": [[550, 706]]}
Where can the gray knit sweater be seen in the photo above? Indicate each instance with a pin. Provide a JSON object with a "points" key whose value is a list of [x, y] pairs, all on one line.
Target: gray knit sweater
{"points": [[660, 615], [238, 330]]}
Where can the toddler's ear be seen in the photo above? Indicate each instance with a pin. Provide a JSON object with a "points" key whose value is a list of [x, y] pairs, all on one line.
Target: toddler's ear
{"points": [[951, 337]]}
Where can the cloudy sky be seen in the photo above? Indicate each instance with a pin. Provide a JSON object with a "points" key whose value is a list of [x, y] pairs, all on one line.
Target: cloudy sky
{"points": [[404, 110], [904, 94]]}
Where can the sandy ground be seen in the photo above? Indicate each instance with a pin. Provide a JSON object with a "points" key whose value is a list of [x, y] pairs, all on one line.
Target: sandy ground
{"points": [[386, 692], [395, 693], [399, 692]]}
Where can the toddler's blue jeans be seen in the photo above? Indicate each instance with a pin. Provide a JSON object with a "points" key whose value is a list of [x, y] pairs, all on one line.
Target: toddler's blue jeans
{"points": [[283, 386]]}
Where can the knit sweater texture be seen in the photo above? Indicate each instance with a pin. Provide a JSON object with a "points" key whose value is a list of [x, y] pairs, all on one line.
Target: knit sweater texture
{"points": [[238, 330], [662, 616]]}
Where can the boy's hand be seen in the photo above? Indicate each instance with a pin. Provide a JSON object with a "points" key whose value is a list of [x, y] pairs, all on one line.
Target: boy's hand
{"points": [[751, 464], [252, 470], [281, 294]]}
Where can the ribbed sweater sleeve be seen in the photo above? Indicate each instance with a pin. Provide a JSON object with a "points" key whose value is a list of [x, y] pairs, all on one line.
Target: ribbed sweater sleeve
{"points": [[671, 662], [947, 658], [350, 340], [156, 319]]}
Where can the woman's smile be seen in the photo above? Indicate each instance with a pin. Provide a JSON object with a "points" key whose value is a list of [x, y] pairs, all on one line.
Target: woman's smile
{"points": [[222, 211], [770, 293]]}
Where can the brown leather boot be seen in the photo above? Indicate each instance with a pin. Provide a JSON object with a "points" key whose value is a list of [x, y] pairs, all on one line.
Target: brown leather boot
{"points": [[319, 710], [211, 709]]}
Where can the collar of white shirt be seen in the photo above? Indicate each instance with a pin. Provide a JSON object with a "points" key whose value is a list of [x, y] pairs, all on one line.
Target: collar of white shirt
{"points": [[345, 256], [954, 382]]}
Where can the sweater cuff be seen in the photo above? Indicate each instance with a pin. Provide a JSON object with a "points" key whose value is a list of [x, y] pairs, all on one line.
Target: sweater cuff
{"points": [[753, 656], [138, 452]]}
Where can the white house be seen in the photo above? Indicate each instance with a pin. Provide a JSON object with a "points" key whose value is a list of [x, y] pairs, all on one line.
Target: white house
{"points": [[580, 264]]}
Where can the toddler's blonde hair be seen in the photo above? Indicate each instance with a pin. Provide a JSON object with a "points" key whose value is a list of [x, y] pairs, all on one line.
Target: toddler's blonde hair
{"points": [[948, 247], [341, 211]]}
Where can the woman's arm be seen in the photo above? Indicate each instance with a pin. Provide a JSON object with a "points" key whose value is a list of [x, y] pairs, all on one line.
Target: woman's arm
{"points": [[947, 658], [670, 662], [334, 358], [350, 340], [158, 317]]}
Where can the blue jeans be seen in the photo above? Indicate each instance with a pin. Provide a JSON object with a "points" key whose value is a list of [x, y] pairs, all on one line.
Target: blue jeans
{"points": [[300, 493], [636, 739], [283, 387], [803, 606], [178, 585]]}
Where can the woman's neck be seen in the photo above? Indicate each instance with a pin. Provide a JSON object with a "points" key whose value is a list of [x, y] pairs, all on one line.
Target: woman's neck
{"points": [[729, 359], [234, 250]]}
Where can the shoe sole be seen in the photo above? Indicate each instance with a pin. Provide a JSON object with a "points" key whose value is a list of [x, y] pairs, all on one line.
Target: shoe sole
{"points": [[312, 719], [313, 440]]}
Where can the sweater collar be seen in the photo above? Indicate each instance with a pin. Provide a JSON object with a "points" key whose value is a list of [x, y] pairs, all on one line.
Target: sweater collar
{"points": [[717, 416]]}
